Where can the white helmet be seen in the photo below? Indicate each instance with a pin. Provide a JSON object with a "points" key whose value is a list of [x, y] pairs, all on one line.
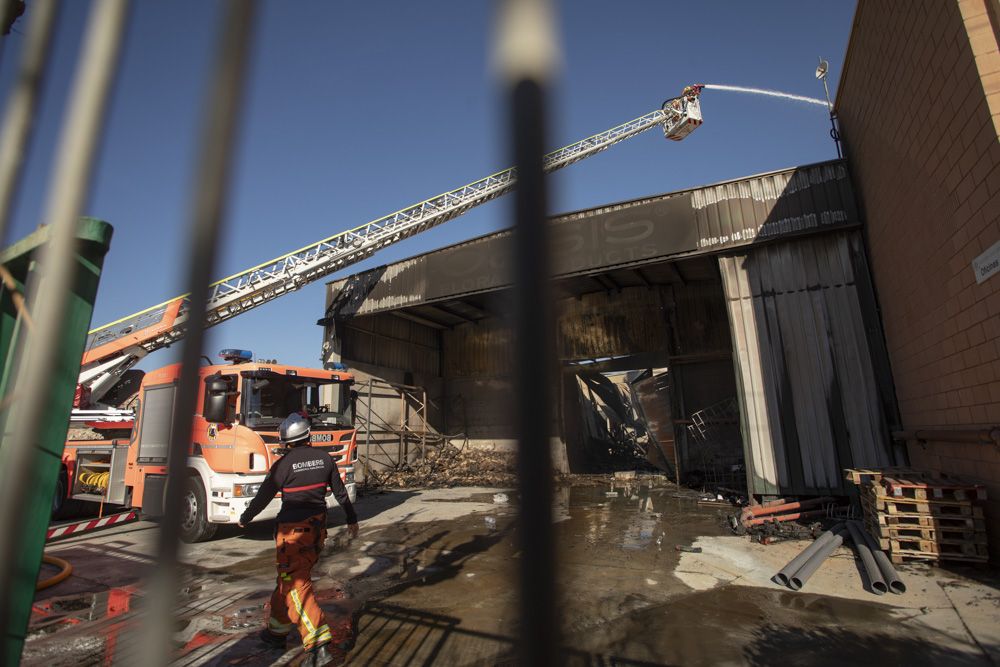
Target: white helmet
{"points": [[293, 429]]}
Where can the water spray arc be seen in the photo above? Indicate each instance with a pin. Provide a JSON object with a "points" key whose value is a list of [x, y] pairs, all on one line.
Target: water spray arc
{"points": [[820, 74], [769, 93]]}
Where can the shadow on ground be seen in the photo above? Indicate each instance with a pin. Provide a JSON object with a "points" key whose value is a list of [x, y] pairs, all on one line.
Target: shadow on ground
{"points": [[377, 503], [400, 636], [819, 647]]}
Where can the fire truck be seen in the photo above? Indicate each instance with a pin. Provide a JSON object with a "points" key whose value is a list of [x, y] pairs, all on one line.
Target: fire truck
{"points": [[234, 437]]}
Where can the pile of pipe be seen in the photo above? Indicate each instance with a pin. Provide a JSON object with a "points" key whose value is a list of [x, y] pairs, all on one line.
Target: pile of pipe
{"points": [[882, 576], [781, 511]]}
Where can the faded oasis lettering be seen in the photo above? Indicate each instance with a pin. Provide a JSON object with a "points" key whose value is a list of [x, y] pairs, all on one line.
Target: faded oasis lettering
{"points": [[576, 245]]}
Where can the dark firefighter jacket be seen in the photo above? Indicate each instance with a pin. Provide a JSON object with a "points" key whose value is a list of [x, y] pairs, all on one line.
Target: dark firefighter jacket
{"points": [[302, 475]]}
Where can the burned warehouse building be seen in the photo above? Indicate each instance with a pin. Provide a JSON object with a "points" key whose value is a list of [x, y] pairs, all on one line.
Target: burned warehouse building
{"points": [[726, 334]]}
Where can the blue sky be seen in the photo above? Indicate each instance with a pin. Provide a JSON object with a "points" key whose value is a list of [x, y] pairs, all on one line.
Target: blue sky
{"points": [[355, 110]]}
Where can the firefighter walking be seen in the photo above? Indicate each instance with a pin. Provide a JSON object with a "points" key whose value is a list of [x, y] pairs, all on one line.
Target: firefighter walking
{"points": [[302, 475]]}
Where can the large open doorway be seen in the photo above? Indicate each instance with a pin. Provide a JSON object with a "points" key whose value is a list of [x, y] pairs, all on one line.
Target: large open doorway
{"points": [[648, 377]]}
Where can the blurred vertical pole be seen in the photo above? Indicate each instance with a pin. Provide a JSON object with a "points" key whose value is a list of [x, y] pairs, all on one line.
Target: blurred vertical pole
{"points": [[29, 464], [217, 141], [21, 108], [527, 53], [9, 13]]}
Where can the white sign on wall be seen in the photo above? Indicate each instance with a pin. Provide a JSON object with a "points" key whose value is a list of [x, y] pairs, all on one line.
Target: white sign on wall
{"points": [[987, 265]]}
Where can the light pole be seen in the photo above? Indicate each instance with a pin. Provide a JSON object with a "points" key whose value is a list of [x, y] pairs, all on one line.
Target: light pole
{"points": [[821, 71]]}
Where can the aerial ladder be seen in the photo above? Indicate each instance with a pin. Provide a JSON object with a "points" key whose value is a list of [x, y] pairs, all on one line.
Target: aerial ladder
{"points": [[114, 348]]}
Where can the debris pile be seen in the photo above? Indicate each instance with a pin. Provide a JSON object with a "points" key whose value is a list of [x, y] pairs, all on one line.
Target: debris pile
{"points": [[769, 533], [761, 520], [448, 466], [83, 433]]}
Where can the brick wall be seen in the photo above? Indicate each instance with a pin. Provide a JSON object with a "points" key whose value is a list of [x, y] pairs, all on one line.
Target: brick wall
{"points": [[919, 108]]}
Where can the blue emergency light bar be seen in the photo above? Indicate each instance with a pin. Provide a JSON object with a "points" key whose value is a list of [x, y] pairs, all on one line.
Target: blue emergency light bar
{"points": [[237, 356]]}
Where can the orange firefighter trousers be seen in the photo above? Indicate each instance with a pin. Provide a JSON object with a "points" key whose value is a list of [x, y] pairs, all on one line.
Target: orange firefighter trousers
{"points": [[292, 602]]}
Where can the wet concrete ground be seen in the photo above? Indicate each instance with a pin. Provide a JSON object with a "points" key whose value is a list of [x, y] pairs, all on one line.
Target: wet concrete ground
{"points": [[431, 580]]}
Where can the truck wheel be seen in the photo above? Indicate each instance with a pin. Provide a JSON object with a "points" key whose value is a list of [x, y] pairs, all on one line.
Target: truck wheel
{"points": [[194, 513], [59, 497]]}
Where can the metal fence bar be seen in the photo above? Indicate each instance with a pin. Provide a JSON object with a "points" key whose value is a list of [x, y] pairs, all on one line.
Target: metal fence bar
{"points": [[368, 433], [28, 474], [217, 141], [400, 456], [423, 431], [22, 107], [527, 53]]}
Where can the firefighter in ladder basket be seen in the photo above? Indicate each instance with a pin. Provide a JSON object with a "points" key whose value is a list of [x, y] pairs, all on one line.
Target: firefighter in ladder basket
{"points": [[302, 475]]}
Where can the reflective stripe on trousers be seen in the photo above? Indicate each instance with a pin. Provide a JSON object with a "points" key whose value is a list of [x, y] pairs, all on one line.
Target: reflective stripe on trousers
{"points": [[298, 546]]}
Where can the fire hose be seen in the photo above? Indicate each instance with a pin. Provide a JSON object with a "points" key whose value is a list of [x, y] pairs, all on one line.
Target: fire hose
{"points": [[95, 479], [64, 573]]}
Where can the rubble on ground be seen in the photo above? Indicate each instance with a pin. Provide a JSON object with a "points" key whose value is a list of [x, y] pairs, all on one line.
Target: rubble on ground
{"points": [[84, 433], [449, 466]]}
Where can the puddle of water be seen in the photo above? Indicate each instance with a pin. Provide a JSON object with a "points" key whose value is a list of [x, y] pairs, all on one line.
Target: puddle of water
{"points": [[75, 609], [639, 518], [241, 616], [640, 533], [507, 497], [244, 621]]}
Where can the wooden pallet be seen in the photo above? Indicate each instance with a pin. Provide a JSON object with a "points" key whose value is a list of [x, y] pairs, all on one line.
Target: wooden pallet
{"points": [[915, 517], [926, 521], [859, 476], [907, 488], [899, 557], [918, 484], [879, 492], [973, 547], [937, 508], [926, 533]]}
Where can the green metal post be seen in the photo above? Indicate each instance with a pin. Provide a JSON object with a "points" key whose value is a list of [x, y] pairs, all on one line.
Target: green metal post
{"points": [[94, 239]]}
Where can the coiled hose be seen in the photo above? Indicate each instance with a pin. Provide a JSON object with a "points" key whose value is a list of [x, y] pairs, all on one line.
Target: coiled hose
{"points": [[95, 479], [64, 573]]}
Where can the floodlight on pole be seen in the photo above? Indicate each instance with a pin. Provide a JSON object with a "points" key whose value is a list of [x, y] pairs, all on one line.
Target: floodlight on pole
{"points": [[821, 72]]}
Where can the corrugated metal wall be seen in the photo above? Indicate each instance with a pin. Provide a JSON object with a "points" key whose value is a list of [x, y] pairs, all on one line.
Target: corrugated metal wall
{"points": [[630, 321], [739, 213], [791, 202], [809, 397], [391, 342], [483, 350], [602, 324], [699, 320]]}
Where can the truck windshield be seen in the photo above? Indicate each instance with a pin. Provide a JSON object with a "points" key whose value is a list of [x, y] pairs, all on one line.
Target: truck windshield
{"points": [[269, 399]]}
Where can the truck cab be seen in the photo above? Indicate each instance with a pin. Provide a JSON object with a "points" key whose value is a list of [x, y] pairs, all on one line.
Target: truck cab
{"points": [[234, 440]]}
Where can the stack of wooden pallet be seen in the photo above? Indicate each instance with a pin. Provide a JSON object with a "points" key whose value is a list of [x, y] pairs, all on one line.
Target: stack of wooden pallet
{"points": [[923, 515]]}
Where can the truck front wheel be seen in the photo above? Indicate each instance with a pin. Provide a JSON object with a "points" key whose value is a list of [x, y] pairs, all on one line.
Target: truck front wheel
{"points": [[59, 497], [195, 526]]}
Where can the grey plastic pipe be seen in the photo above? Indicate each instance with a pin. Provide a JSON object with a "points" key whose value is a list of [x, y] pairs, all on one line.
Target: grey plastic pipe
{"points": [[878, 584], [889, 574], [785, 574], [798, 580]]}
